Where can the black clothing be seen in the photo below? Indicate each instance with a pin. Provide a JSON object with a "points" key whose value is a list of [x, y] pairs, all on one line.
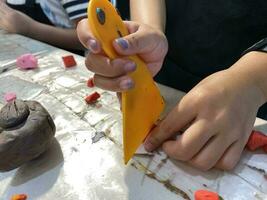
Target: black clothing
{"points": [[33, 10], [208, 36]]}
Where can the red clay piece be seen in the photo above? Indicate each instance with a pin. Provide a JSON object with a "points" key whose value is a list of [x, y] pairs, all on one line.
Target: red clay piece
{"points": [[206, 195], [69, 61], [19, 197], [92, 98], [256, 140], [265, 148], [90, 83]]}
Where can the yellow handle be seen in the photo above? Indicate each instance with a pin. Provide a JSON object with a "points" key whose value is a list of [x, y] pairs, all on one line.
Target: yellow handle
{"points": [[141, 106]]}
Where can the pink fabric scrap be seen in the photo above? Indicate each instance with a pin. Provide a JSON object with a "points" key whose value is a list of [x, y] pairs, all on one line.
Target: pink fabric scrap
{"points": [[10, 96], [27, 61]]}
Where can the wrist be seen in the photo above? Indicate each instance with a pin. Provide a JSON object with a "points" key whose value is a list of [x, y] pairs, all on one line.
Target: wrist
{"points": [[31, 29], [22, 23], [251, 70], [149, 12], [158, 27]]}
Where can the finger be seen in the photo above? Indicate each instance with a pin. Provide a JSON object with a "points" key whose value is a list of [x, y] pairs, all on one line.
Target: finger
{"points": [[114, 84], [231, 156], [190, 142], [131, 26], [86, 37], [211, 153], [155, 67], [179, 117], [138, 42], [103, 66]]}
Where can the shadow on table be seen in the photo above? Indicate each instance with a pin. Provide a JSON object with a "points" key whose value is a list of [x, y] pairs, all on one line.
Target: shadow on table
{"points": [[39, 175]]}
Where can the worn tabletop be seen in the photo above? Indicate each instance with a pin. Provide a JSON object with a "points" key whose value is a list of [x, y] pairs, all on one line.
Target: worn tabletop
{"points": [[79, 168]]}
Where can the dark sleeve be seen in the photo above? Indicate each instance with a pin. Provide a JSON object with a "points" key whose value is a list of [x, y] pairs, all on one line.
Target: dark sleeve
{"points": [[123, 7], [259, 46]]}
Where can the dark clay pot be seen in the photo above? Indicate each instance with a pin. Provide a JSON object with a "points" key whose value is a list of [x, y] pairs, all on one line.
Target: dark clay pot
{"points": [[26, 131]]}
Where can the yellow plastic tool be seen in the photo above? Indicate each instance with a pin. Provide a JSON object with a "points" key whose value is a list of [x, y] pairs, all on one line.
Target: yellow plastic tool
{"points": [[141, 106]]}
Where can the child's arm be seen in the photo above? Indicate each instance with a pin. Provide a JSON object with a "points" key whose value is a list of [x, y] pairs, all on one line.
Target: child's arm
{"points": [[16, 22], [150, 12], [253, 66], [63, 38]]}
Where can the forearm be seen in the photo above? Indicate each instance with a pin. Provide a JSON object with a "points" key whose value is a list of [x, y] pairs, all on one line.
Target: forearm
{"points": [[63, 38], [252, 68], [150, 12]]}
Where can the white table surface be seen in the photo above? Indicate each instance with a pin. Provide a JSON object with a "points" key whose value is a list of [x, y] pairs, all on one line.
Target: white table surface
{"points": [[74, 168]]}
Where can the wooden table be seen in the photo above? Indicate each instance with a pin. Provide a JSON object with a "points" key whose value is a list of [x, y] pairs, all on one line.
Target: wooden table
{"points": [[74, 168]]}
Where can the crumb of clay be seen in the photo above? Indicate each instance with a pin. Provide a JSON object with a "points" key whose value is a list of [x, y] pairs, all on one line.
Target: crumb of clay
{"points": [[90, 83], [27, 61], [92, 98], [69, 61], [10, 96], [74, 149], [19, 197], [98, 136]]}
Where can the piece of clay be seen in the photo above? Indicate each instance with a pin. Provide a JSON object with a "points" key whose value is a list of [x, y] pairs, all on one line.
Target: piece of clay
{"points": [[10, 96], [19, 197], [256, 140], [98, 136], [13, 113], [90, 83], [27, 61], [206, 195], [69, 61], [92, 98], [26, 131]]}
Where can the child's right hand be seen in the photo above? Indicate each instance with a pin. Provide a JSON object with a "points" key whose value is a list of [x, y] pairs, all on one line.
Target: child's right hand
{"points": [[150, 44]]}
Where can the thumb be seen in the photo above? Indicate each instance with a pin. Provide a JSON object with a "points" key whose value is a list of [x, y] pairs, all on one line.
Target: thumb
{"points": [[86, 37], [140, 42]]}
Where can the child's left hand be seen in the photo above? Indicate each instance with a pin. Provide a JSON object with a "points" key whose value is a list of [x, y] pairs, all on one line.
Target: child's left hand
{"points": [[219, 112], [14, 21]]}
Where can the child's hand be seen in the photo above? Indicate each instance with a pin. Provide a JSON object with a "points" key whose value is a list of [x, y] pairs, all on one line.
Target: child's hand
{"points": [[219, 114], [14, 21], [150, 44]]}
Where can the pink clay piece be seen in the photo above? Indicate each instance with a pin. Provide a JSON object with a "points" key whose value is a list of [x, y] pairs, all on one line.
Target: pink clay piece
{"points": [[27, 61], [10, 96]]}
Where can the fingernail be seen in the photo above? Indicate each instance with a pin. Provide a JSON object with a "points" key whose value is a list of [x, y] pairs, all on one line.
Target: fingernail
{"points": [[126, 84], [149, 146], [124, 44], [130, 67], [92, 45]]}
